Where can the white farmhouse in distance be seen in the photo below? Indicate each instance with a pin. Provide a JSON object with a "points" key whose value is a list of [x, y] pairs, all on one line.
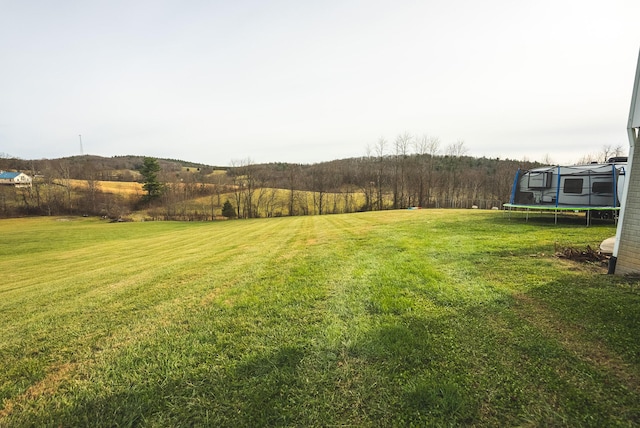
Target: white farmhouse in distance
{"points": [[17, 179]]}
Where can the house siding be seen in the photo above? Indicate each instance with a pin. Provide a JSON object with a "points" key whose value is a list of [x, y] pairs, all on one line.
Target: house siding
{"points": [[629, 247]]}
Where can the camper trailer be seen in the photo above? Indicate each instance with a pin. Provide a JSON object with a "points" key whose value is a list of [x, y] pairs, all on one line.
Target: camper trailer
{"points": [[593, 187]]}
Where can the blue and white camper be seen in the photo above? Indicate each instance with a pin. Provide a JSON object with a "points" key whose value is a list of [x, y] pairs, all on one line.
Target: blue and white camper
{"points": [[595, 188]]}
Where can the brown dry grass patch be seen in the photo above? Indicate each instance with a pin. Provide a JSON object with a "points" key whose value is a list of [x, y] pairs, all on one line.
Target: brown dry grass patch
{"points": [[46, 387], [116, 187]]}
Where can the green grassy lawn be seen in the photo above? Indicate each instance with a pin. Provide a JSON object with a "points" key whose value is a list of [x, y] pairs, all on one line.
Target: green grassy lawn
{"points": [[425, 317]]}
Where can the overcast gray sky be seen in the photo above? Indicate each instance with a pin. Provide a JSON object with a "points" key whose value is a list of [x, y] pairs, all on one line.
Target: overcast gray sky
{"points": [[309, 81]]}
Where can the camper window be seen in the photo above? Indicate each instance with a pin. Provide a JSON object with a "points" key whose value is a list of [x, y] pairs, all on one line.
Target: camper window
{"points": [[602, 187], [573, 185], [540, 180]]}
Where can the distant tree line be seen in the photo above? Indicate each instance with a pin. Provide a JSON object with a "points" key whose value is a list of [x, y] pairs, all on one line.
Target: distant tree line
{"points": [[56, 191], [71, 186], [406, 172]]}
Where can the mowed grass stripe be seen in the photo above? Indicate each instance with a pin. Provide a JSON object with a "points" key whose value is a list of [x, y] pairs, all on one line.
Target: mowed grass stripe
{"points": [[141, 272], [248, 247], [393, 318], [136, 263]]}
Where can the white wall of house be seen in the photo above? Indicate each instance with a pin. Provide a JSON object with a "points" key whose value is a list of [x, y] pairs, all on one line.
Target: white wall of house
{"points": [[628, 258], [627, 248], [22, 179]]}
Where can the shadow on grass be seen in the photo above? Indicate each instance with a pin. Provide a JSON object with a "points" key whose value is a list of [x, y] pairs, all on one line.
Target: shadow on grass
{"points": [[603, 308], [416, 361], [547, 217], [267, 387], [257, 391]]}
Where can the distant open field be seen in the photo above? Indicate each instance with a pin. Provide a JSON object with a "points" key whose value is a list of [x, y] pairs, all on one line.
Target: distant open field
{"points": [[412, 317], [125, 188]]}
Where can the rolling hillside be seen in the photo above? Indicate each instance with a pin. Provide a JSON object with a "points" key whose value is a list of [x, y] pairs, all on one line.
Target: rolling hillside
{"points": [[83, 185]]}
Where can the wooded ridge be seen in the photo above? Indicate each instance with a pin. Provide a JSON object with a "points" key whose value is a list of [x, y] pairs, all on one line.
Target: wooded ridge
{"points": [[194, 191]]}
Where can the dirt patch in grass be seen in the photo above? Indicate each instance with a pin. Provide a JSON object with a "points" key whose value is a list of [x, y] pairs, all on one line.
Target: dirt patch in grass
{"points": [[588, 255]]}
